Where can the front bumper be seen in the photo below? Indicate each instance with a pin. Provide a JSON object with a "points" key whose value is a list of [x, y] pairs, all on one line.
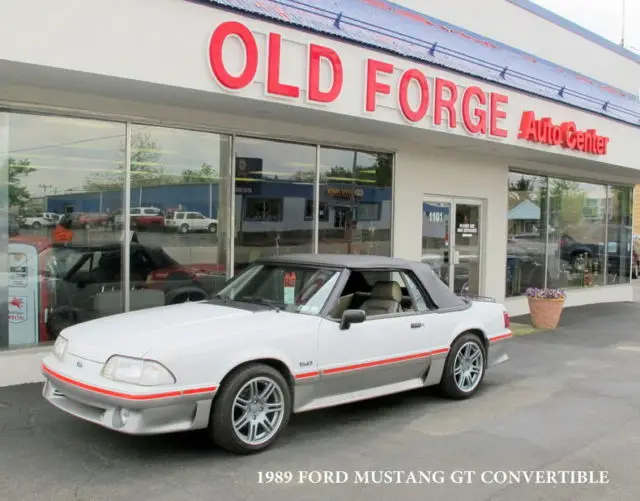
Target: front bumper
{"points": [[145, 412]]}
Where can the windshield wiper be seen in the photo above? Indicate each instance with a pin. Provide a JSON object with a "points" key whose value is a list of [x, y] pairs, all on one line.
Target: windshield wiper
{"points": [[259, 300]]}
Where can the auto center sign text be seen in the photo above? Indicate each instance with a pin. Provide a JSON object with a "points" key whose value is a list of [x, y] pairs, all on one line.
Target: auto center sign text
{"points": [[481, 112], [418, 97]]}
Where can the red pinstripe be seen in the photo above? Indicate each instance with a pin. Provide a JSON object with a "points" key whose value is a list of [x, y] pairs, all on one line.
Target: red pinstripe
{"points": [[128, 396]]}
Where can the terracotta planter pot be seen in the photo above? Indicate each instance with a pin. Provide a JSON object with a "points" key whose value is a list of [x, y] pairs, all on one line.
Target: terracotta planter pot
{"points": [[545, 313]]}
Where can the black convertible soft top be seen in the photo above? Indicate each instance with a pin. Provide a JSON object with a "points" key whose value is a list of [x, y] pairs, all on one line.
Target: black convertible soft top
{"points": [[437, 289]]}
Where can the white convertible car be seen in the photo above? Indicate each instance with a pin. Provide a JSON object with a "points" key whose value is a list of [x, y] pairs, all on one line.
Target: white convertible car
{"points": [[289, 334]]}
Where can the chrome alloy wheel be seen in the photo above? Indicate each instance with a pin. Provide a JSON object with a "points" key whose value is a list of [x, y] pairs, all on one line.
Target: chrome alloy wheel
{"points": [[468, 366], [258, 410]]}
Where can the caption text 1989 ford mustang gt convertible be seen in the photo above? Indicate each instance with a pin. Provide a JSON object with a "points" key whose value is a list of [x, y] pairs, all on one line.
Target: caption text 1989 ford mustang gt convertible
{"points": [[289, 334]]}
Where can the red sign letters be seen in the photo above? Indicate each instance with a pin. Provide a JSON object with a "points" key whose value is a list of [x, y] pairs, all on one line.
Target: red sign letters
{"points": [[566, 135], [480, 111]]}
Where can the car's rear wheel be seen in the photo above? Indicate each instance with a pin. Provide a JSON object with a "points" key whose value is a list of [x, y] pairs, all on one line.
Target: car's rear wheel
{"points": [[213, 228], [184, 229], [251, 410], [465, 367]]}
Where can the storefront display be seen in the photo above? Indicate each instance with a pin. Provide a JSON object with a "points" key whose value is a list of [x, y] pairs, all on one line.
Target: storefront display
{"points": [[564, 234], [179, 225], [137, 182]]}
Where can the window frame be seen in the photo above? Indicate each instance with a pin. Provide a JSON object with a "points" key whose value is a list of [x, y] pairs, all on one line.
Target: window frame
{"points": [[340, 285], [253, 199]]}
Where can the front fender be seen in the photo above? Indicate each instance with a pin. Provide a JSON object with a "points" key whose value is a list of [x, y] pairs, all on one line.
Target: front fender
{"points": [[253, 354]]}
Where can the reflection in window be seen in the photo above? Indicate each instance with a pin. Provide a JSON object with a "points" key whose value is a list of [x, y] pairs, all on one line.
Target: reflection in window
{"points": [[66, 179], [356, 187], [179, 212], [577, 229], [586, 228], [323, 211], [526, 216], [263, 210], [274, 180], [620, 253]]}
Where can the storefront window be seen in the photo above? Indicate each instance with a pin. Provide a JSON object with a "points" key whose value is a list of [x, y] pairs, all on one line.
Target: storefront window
{"points": [[274, 198], [179, 186], [526, 241], [619, 235], [65, 184], [577, 229], [356, 189]]}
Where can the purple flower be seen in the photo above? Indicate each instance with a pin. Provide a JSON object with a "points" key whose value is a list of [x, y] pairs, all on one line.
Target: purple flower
{"points": [[545, 293]]}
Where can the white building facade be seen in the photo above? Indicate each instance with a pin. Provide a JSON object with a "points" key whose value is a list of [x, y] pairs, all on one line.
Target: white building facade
{"points": [[505, 161]]}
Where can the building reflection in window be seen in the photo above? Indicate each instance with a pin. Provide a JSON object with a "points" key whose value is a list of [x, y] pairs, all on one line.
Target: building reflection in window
{"points": [[526, 241], [66, 180], [274, 197], [179, 186], [620, 253], [577, 229], [567, 234], [355, 202]]}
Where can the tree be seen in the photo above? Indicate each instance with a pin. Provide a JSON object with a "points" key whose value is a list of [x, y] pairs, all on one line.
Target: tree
{"points": [[567, 201], [384, 169], [205, 174], [146, 169], [18, 194]]}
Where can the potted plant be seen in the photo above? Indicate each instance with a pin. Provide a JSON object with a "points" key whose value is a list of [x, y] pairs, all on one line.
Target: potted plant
{"points": [[545, 306]]}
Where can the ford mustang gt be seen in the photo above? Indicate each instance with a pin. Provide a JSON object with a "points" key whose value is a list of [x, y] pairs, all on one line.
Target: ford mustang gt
{"points": [[289, 334]]}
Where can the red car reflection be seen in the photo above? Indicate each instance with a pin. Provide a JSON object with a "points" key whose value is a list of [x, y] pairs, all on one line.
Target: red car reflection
{"points": [[82, 282]]}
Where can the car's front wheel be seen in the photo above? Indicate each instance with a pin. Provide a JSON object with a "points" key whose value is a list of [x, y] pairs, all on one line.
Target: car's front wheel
{"points": [[251, 410], [465, 367]]}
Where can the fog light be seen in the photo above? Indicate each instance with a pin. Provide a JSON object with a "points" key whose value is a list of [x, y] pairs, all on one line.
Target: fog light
{"points": [[124, 416]]}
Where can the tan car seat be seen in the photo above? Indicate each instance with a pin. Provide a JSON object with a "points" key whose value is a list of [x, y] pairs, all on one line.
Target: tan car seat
{"points": [[385, 299]]}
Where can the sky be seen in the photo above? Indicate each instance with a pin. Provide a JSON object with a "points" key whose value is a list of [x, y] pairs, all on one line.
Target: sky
{"points": [[603, 17]]}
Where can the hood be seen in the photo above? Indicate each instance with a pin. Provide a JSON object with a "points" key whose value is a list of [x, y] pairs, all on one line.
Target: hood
{"points": [[134, 334]]}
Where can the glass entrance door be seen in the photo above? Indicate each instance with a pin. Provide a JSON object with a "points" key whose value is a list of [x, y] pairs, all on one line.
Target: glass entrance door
{"points": [[467, 248], [451, 241], [436, 228]]}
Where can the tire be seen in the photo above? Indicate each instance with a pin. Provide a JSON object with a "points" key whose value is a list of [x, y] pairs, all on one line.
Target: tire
{"points": [[213, 228], [36, 225], [221, 424], [451, 385], [184, 229]]}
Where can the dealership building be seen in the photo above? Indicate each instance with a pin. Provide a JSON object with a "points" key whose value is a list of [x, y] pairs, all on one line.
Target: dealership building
{"points": [[498, 145]]}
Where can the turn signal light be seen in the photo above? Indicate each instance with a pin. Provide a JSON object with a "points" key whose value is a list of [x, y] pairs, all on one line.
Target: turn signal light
{"points": [[507, 320]]}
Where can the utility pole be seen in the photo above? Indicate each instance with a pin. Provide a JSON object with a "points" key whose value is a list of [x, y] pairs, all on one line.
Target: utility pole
{"points": [[624, 18]]}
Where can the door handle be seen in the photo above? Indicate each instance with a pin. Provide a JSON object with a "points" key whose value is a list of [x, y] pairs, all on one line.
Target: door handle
{"points": [[417, 325]]}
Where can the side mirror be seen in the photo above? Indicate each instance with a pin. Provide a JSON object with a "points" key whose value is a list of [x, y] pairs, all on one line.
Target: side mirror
{"points": [[352, 317]]}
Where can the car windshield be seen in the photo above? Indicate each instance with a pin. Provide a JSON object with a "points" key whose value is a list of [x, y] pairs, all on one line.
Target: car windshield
{"points": [[295, 289]]}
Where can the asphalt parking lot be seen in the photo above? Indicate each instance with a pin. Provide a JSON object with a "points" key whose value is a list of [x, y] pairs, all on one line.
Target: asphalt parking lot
{"points": [[567, 400]]}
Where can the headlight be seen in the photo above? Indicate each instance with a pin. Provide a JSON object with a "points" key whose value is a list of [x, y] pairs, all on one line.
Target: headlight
{"points": [[60, 348], [137, 371]]}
